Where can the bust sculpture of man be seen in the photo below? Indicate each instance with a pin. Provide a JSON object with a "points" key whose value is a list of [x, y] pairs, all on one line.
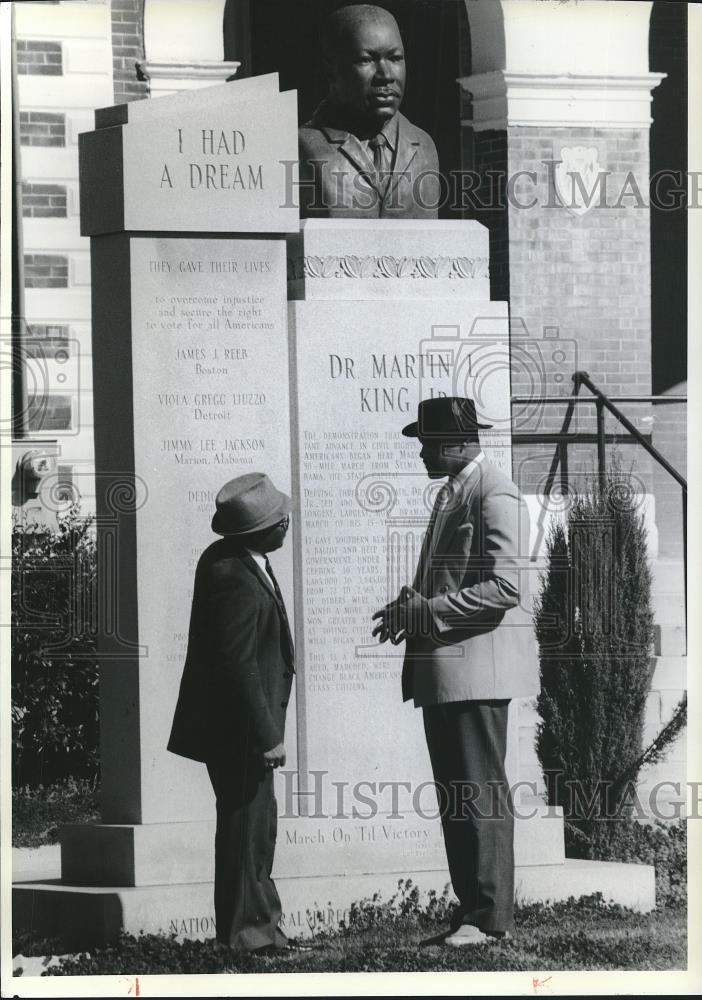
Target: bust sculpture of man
{"points": [[359, 156]]}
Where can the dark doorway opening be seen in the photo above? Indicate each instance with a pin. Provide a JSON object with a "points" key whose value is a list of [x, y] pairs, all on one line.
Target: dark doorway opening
{"points": [[668, 54], [281, 36]]}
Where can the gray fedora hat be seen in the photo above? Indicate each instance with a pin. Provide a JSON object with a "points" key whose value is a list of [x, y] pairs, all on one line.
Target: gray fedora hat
{"points": [[445, 418], [248, 504]]}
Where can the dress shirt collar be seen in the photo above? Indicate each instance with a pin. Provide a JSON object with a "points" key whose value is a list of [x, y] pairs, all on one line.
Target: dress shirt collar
{"points": [[331, 116], [389, 132], [260, 561], [452, 490], [467, 470]]}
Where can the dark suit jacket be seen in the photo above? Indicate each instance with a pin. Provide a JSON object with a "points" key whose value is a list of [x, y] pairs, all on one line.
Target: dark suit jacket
{"points": [[336, 173], [475, 576], [239, 665]]}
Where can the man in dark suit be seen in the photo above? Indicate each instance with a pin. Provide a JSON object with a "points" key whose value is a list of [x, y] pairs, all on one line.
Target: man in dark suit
{"points": [[470, 649], [359, 157], [233, 696]]}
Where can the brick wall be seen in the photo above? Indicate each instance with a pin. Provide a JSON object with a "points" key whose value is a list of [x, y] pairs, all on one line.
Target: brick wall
{"points": [[587, 275], [42, 128], [44, 270], [44, 200], [127, 49], [585, 278], [40, 57]]}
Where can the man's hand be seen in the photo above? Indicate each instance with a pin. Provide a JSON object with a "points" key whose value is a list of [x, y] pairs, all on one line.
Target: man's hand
{"points": [[386, 627], [404, 617], [275, 757]]}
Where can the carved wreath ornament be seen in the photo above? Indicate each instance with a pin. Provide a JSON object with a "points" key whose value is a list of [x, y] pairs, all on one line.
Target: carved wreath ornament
{"points": [[352, 266]]}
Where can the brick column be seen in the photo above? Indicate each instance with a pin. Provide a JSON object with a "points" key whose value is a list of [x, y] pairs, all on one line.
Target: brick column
{"points": [[183, 45], [570, 253], [579, 284], [127, 49]]}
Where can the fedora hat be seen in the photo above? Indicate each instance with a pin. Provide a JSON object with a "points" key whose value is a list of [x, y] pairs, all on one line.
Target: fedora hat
{"points": [[248, 504], [445, 418]]}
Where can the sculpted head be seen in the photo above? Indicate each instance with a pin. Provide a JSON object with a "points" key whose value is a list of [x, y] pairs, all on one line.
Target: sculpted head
{"points": [[365, 62]]}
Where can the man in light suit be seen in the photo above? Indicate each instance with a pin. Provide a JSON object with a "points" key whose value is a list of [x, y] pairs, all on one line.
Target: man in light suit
{"points": [[231, 706], [359, 157], [469, 650]]}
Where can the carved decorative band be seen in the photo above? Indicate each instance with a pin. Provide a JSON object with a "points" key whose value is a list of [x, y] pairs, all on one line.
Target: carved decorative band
{"points": [[352, 266]]}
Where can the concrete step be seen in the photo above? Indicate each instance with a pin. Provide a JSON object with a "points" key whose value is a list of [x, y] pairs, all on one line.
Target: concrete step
{"points": [[668, 576], [30, 863], [661, 789], [627, 884], [661, 705], [538, 832], [85, 917], [670, 640], [176, 853], [668, 592], [140, 854], [669, 609], [669, 672]]}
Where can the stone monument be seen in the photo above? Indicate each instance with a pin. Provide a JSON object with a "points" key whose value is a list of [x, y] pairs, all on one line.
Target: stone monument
{"points": [[202, 371], [383, 314], [181, 198]]}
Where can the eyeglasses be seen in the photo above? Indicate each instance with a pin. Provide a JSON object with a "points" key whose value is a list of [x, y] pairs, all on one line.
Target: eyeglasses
{"points": [[284, 523]]}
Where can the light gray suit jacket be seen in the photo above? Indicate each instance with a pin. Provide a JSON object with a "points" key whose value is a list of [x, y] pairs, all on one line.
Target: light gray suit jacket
{"points": [[336, 173], [473, 572]]}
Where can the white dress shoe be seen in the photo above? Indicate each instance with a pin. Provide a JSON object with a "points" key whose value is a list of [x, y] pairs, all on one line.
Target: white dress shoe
{"points": [[466, 935]]}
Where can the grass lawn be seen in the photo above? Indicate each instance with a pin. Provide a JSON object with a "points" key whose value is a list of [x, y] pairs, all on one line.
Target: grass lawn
{"points": [[385, 937]]}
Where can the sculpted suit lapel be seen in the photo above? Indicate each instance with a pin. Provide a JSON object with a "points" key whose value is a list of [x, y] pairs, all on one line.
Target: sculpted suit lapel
{"points": [[350, 147], [406, 152]]}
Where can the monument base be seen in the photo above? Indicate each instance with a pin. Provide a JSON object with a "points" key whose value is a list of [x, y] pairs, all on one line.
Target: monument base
{"points": [[145, 854], [87, 916], [140, 854]]}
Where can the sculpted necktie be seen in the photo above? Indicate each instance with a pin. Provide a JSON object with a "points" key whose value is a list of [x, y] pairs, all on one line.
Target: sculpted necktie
{"points": [[382, 159], [281, 603]]}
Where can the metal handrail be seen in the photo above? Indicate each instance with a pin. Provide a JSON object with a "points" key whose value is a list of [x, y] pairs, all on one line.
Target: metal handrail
{"points": [[613, 399], [603, 402]]}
